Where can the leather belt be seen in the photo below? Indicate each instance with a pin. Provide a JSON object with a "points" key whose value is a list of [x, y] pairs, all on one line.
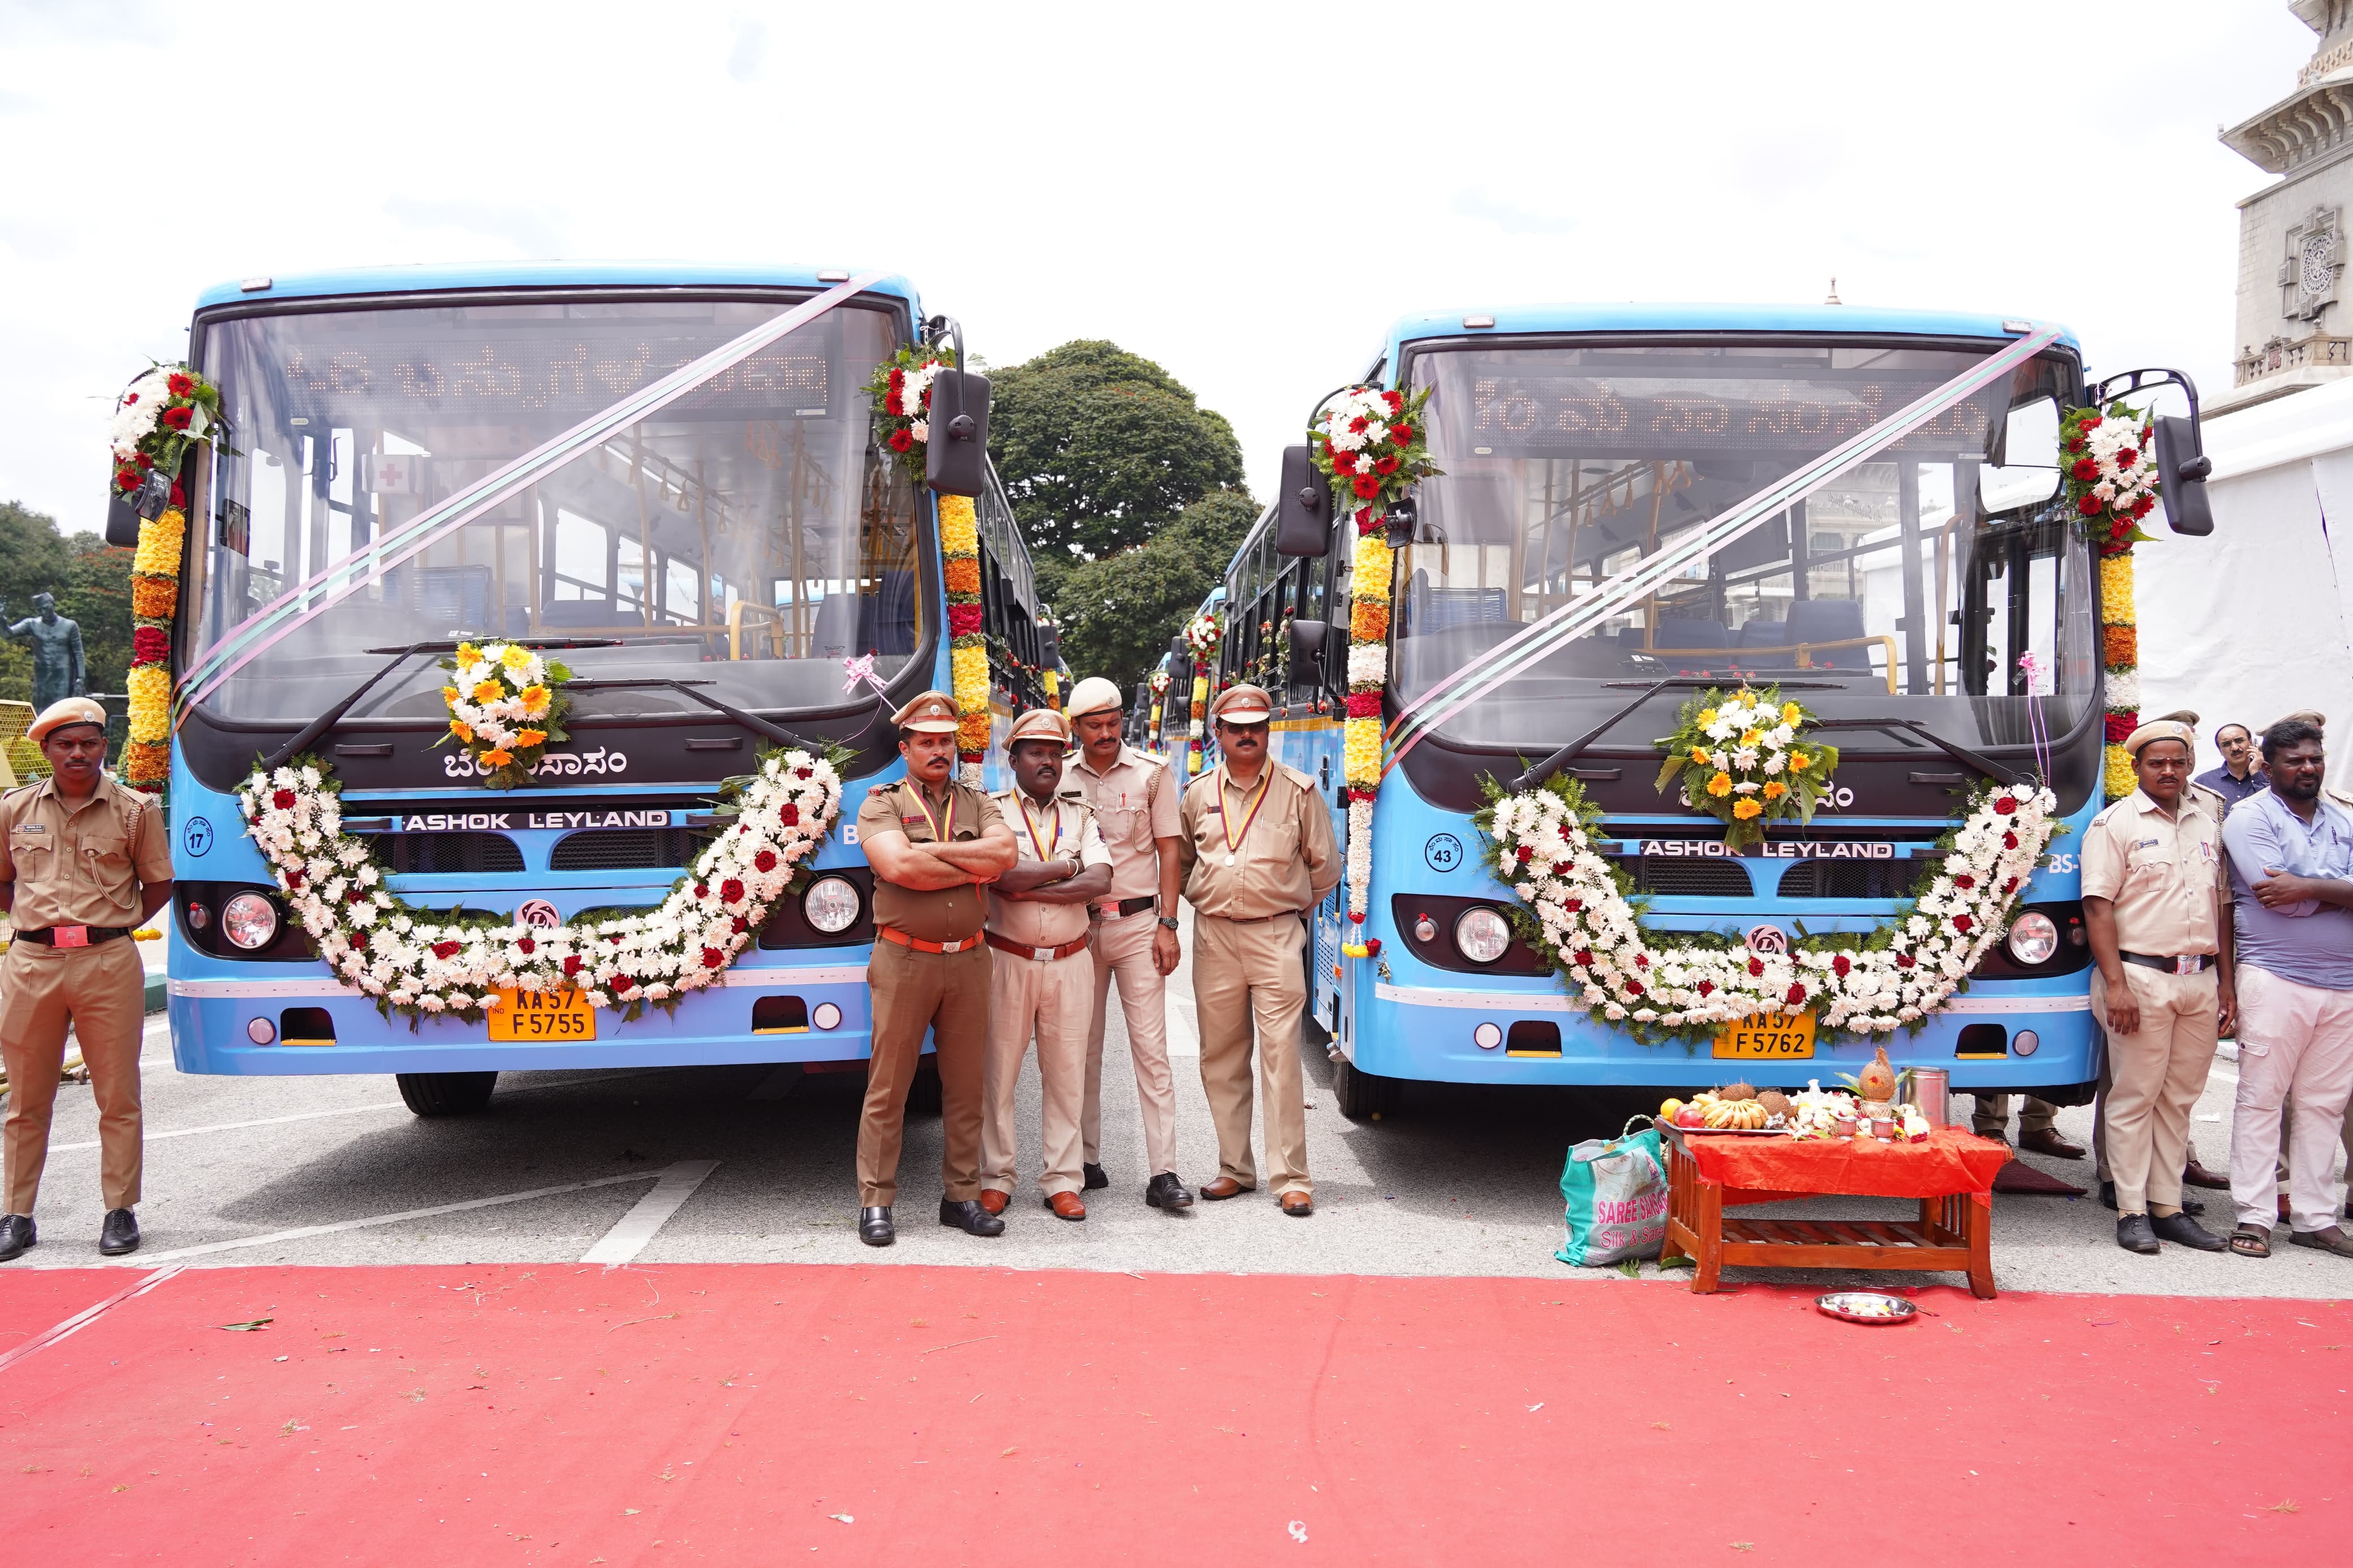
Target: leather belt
{"points": [[1023, 950], [1125, 907], [2188, 964], [73, 936], [1255, 920], [892, 933]]}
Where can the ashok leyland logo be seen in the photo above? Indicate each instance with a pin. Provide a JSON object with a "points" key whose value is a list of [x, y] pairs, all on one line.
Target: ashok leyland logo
{"points": [[538, 912], [1768, 942]]}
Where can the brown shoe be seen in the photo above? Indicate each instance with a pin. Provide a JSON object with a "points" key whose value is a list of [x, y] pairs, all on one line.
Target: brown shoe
{"points": [[2046, 1140], [1066, 1205], [994, 1202], [1298, 1205], [1223, 1188], [2197, 1175]]}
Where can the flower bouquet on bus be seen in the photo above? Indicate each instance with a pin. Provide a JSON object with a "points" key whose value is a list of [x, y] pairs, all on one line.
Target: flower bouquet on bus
{"points": [[1745, 758], [506, 704], [1370, 448]]}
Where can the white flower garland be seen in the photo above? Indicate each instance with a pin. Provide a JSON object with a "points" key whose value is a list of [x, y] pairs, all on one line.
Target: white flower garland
{"points": [[413, 961], [1621, 971]]}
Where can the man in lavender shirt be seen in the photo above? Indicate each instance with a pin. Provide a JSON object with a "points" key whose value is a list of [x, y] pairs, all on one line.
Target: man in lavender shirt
{"points": [[2291, 854]]}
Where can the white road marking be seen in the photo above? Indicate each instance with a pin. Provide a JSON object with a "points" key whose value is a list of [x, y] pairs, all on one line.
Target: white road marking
{"points": [[634, 1229], [258, 1122], [87, 1316], [301, 1232]]}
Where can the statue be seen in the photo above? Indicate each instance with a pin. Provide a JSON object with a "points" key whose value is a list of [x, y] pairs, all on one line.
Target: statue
{"points": [[57, 670]]}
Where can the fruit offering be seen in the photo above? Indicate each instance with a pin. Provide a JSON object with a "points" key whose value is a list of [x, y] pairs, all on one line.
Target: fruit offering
{"points": [[1819, 1113], [1667, 1109], [1877, 1080]]}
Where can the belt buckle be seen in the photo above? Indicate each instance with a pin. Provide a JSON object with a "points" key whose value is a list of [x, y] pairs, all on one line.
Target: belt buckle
{"points": [[69, 936], [2188, 966], [1042, 955]]}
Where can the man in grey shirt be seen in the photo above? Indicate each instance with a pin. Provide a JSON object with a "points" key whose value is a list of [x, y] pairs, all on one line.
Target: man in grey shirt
{"points": [[2291, 854]]}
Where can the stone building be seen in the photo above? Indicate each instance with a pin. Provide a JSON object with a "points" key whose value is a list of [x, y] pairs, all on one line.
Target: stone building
{"points": [[2293, 329]]}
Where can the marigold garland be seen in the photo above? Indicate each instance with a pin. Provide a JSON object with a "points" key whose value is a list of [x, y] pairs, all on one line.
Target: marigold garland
{"points": [[1370, 578], [506, 707], [146, 759], [967, 642], [2111, 485]]}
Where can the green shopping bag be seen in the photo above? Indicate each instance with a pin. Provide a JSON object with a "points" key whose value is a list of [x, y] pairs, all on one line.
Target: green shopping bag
{"points": [[1616, 1194]]}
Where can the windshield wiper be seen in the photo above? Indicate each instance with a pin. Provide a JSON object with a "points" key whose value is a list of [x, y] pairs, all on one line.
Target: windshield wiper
{"points": [[1568, 753], [400, 656], [1962, 754], [776, 732]]}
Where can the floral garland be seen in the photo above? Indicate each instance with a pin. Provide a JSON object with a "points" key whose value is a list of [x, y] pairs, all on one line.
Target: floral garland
{"points": [[1197, 725], [1203, 634], [2111, 485], [146, 760], [158, 417], [507, 705], [420, 961], [1360, 735], [1575, 909], [1743, 759], [1370, 448], [901, 395], [967, 644]]}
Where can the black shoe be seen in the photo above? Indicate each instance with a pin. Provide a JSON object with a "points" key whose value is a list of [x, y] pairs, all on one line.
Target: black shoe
{"points": [[120, 1233], [16, 1238], [2134, 1235], [1095, 1176], [874, 1227], [968, 1216], [2183, 1231], [1165, 1191], [2107, 1195]]}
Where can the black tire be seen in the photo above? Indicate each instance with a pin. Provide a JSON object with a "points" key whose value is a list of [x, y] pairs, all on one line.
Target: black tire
{"points": [[446, 1093], [924, 1096], [1363, 1095]]}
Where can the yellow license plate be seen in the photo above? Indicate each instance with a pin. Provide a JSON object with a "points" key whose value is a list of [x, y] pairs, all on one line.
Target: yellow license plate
{"points": [[543, 1015], [1781, 1036]]}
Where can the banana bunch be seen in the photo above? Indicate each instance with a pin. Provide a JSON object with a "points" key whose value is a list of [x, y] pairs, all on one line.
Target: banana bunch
{"points": [[1736, 1115]]}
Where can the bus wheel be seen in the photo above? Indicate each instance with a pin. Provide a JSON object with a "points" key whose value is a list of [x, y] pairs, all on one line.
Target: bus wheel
{"points": [[1364, 1095], [446, 1093], [923, 1094]]}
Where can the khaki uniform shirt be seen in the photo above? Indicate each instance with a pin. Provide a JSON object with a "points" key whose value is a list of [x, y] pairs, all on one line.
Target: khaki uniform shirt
{"points": [[2162, 876], [1286, 861], [81, 866], [1063, 829], [1135, 804], [946, 914]]}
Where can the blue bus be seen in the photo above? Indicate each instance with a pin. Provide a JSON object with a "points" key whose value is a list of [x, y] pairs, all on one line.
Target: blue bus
{"points": [[1895, 598], [705, 571]]}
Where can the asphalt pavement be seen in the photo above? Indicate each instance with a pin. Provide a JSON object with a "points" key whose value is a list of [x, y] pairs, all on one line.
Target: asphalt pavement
{"points": [[754, 1164]]}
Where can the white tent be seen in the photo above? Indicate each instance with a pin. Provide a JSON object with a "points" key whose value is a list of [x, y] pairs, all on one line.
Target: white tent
{"points": [[2256, 620]]}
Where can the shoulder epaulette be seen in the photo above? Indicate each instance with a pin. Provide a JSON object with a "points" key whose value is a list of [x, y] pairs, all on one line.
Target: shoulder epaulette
{"points": [[2107, 812]]}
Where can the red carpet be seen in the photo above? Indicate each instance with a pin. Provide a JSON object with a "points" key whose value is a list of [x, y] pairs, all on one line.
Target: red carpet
{"points": [[32, 1302], [562, 1415]]}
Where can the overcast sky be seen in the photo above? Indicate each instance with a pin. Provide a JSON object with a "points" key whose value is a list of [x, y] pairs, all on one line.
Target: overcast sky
{"points": [[1247, 192]]}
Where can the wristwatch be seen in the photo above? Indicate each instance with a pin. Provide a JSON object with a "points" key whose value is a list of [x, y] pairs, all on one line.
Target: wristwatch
{"points": [[1167, 921]]}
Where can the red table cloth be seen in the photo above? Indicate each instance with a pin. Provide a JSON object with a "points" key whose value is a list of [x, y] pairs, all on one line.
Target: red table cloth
{"points": [[1761, 1170]]}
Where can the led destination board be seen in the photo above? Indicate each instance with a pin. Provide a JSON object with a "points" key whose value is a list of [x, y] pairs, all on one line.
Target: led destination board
{"points": [[1591, 416], [569, 373]]}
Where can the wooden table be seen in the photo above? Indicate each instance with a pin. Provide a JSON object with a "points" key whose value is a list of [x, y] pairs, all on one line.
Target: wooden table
{"points": [[1953, 1234]]}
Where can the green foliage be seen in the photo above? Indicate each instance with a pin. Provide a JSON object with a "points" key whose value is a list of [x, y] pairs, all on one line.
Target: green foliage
{"points": [[92, 581], [1118, 613], [1099, 448]]}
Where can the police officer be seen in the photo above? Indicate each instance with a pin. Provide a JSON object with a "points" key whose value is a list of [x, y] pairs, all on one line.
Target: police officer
{"points": [[1135, 929], [1042, 978], [934, 842], [83, 862], [2157, 912], [1257, 854]]}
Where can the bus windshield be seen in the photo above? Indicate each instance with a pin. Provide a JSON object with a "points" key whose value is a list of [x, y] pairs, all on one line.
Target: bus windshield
{"points": [[1911, 585], [746, 539]]}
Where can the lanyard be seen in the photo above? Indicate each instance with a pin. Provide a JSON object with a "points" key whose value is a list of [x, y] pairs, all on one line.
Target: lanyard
{"points": [[1234, 844], [940, 834], [1055, 842]]}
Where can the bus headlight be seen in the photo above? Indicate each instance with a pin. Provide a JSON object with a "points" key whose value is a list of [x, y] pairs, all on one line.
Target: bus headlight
{"points": [[249, 921], [2033, 939], [1482, 935], [831, 904]]}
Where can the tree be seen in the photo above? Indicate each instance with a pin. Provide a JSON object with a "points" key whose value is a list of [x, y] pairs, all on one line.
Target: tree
{"points": [[1098, 447], [91, 580], [1117, 614]]}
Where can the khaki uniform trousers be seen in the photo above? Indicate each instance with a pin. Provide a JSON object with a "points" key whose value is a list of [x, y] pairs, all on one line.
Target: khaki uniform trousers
{"points": [[1245, 974], [101, 992], [1123, 951], [2154, 1077], [1992, 1117], [946, 993], [1048, 1002]]}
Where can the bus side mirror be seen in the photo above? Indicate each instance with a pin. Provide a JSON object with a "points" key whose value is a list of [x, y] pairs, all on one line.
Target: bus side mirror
{"points": [[121, 523], [1180, 656], [1310, 640], [956, 457], [1302, 511], [2181, 470], [1049, 645]]}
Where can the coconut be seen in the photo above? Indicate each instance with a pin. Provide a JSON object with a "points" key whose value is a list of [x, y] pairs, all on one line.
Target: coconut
{"points": [[1877, 1081], [1775, 1102], [1737, 1091]]}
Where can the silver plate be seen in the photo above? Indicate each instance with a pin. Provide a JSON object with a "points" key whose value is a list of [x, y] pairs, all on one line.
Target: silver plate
{"points": [[1867, 1306]]}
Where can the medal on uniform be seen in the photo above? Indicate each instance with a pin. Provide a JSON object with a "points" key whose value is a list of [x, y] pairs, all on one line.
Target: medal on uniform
{"points": [[1233, 842]]}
